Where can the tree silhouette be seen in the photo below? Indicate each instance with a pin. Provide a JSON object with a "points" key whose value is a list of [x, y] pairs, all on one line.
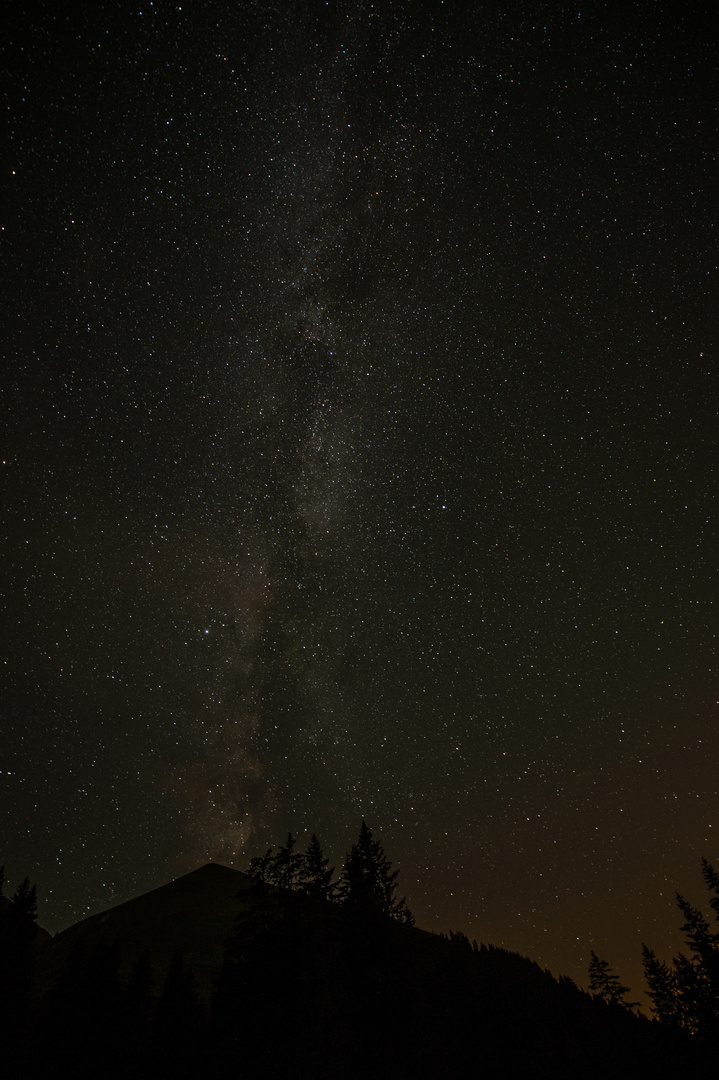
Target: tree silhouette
{"points": [[711, 880], [261, 867], [700, 939], [287, 865], [316, 877], [25, 899], [17, 940], [368, 883], [686, 993], [604, 984], [289, 870], [661, 988], [283, 869]]}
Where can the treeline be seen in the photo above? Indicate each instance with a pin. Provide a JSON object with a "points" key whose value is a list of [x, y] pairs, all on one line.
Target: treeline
{"points": [[18, 934], [367, 885], [685, 992], [329, 979]]}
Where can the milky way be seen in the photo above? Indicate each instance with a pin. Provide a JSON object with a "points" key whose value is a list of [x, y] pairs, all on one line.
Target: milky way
{"points": [[361, 407]]}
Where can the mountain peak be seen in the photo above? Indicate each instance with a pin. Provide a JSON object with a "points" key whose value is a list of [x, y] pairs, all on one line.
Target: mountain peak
{"points": [[192, 915]]}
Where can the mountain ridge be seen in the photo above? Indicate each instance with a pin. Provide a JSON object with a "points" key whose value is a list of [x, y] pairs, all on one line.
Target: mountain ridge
{"points": [[192, 915], [302, 983]]}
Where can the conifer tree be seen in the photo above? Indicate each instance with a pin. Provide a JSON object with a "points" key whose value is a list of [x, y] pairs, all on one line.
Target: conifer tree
{"points": [[17, 936], [368, 884], [316, 877], [700, 939], [25, 899], [261, 867], [695, 1001], [283, 869], [286, 868], [662, 988], [687, 991], [711, 879], [604, 984]]}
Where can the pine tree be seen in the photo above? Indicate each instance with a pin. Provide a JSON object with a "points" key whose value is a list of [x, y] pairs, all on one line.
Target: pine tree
{"points": [[261, 867], [368, 884], [316, 877], [25, 899], [662, 988], [17, 937], [286, 868], [604, 984], [700, 939], [711, 879], [687, 992], [698, 976], [283, 869]]}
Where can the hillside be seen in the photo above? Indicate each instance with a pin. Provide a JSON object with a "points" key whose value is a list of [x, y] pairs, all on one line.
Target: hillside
{"points": [[192, 915], [303, 987]]}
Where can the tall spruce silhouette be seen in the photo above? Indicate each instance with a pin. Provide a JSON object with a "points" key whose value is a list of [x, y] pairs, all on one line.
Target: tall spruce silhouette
{"points": [[17, 938], [368, 883], [287, 865], [686, 993], [316, 872], [25, 900], [604, 984]]}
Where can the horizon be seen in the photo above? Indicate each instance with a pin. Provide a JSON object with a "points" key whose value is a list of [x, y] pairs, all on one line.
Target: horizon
{"points": [[360, 456]]}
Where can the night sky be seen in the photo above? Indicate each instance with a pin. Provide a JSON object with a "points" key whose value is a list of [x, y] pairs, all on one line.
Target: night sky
{"points": [[359, 455]]}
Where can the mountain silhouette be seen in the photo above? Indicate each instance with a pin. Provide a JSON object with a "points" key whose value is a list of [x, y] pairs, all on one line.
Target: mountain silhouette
{"points": [[192, 916], [310, 988]]}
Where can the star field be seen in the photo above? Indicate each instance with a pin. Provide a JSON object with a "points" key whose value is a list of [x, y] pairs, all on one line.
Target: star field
{"points": [[359, 455]]}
